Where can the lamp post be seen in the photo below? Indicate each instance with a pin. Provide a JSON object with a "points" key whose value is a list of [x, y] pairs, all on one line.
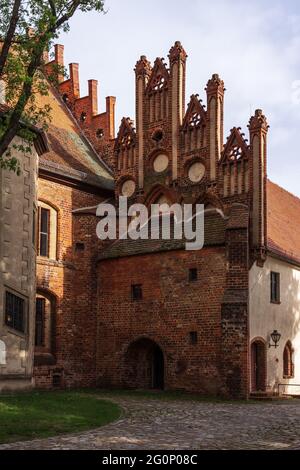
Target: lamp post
{"points": [[275, 337]]}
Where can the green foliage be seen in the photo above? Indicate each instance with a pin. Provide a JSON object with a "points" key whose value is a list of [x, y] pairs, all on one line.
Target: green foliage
{"points": [[44, 414], [38, 24]]}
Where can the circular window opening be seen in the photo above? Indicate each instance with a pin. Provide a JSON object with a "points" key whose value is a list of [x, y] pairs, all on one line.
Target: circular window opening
{"points": [[65, 98], [158, 135], [160, 163], [196, 172], [128, 188]]}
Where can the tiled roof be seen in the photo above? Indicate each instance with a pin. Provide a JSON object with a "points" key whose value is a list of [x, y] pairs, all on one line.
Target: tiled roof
{"points": [[283, 222], [214, 234], [69, 148]]}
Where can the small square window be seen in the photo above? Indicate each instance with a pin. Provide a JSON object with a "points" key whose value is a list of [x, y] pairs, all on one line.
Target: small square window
{"points": [[275, 287], [136, 292], [79, 246], [193, 274], [193, 337]]}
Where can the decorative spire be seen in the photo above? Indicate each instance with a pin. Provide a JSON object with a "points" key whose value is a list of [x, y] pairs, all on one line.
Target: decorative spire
{"points": [[177, 52], [143, 66], [258, 121], [215, 83]]}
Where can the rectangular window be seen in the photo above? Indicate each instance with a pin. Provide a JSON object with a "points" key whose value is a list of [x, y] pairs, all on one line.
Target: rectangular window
{"points": [[275, 287], [44, 232], [39, 321], [136, 292], [193, 274], [14, 311], [193, 337]]}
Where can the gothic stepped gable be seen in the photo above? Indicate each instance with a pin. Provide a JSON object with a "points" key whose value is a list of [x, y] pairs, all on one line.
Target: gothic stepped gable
{"points": [[125, 145], [194, 125], [234, 164], [159, 78], [195, 115], [99, 128]]}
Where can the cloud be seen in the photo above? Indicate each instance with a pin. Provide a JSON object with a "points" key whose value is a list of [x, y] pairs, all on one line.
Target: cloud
{"points": [[253, 46]]}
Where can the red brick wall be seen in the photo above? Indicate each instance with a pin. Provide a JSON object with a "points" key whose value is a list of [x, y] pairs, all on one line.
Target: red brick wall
{"points": [[171, 308], [71, 279]]}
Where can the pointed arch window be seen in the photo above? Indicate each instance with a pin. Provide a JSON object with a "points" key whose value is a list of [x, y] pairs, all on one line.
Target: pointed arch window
{"points": [[288, 365]]}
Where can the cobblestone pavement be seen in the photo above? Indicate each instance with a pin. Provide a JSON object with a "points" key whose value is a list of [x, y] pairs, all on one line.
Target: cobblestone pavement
{"points": [[159, 424]]}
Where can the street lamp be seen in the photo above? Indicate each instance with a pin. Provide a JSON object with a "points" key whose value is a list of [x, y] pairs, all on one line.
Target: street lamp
{"points": [[275, 336]]}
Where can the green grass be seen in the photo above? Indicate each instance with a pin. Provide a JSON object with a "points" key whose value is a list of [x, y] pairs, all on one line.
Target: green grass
{"points": [[45, 414]]}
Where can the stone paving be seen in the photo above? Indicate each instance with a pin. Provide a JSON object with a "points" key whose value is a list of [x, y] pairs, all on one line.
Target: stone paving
{"points": [[159, 424]]}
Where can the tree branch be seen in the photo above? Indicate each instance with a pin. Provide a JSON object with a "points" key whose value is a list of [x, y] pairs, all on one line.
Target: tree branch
{"points": [[10, 34], [53, 8], [14, 120]]}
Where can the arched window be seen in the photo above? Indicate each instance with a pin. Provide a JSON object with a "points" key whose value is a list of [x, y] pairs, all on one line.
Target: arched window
{"points": [[47, 226], [288, 366], [2, 353], [45, 307]]}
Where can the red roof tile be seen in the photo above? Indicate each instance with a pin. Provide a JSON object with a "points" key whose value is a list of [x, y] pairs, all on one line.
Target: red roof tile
{"points": [[283, 222], [69, 148]]}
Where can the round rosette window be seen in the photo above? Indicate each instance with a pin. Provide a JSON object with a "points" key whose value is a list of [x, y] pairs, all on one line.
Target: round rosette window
{"points": [[128, 188], [160, 163], [196, 172]]}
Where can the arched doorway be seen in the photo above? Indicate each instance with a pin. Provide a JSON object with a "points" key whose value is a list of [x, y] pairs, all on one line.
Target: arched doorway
{"points": [[144, 365], [258, 366]]}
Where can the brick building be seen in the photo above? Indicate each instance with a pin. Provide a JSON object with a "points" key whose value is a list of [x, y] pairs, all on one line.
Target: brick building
{"points": [[148, 313]]}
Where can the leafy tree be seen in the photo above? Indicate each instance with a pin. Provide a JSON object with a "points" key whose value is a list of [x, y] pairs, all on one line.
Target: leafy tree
{"points": [[27, 30]]}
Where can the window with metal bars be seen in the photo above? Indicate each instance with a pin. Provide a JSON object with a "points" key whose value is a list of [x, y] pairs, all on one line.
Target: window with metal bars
{"points": [[44, 225], [40, 321], [14, 311]]}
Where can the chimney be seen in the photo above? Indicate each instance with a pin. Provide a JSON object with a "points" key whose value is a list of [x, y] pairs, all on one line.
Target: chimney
{"points": [[59, 59], [74, 77], [110, 112], [93, 95]]}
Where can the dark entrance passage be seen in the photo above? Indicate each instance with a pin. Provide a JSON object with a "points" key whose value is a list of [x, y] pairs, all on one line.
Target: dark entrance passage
{"points": [[258, 366], [144, 365]]}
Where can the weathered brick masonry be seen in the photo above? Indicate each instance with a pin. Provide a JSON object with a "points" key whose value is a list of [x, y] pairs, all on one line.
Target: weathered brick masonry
{"points": [[71, 279]]}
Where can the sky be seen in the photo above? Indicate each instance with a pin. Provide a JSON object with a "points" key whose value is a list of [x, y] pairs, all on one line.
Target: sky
{"points": [[254, 47]]}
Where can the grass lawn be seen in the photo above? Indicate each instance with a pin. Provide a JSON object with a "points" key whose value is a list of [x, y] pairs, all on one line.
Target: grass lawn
{"points": [[44, 414]]}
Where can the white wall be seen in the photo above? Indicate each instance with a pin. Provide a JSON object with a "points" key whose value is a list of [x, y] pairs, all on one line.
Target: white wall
{"points": [[265, 317], [17, 266]]}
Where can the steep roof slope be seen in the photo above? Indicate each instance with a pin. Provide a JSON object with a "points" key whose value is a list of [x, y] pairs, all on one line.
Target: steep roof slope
{"points": [[283, 222], [69, 148]]}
